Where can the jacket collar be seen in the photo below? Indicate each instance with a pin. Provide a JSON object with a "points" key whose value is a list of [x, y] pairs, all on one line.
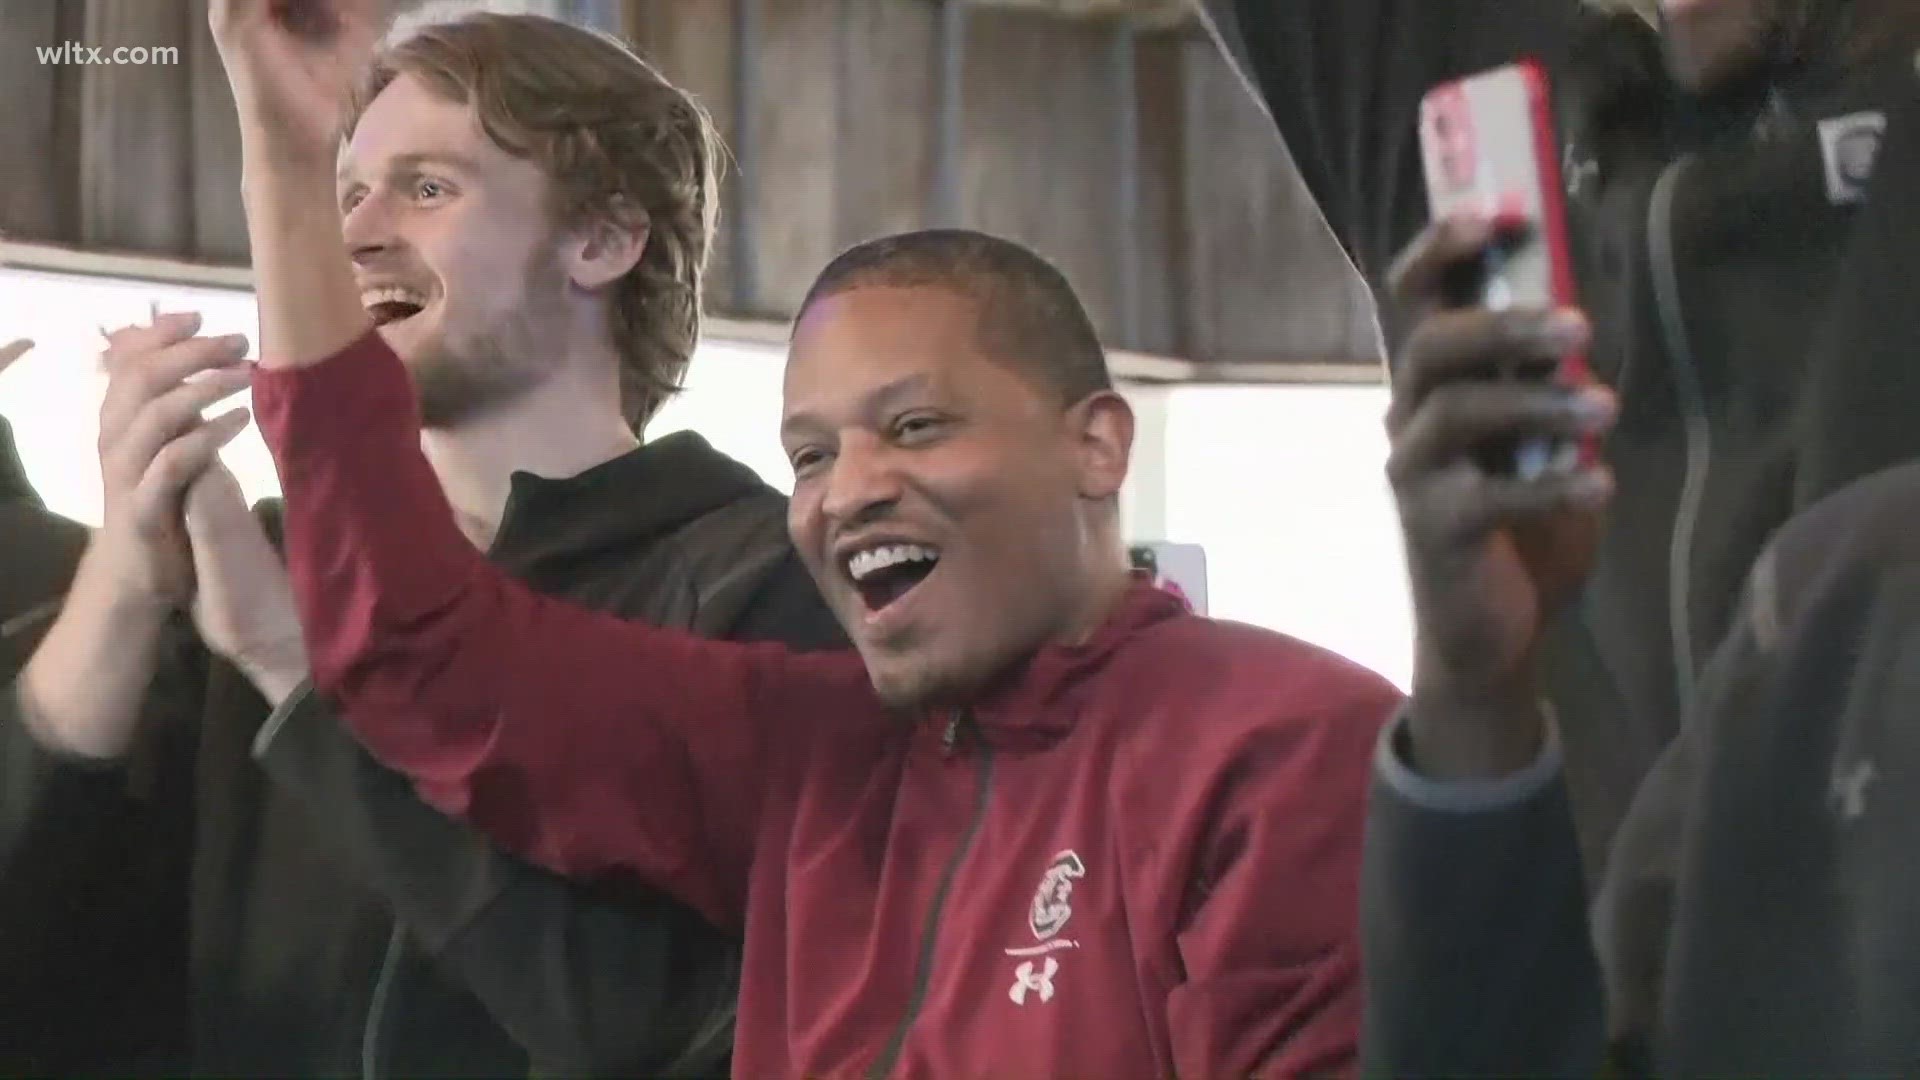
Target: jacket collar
{"points": [[633, 499], [1041, 702], [14, 486]]}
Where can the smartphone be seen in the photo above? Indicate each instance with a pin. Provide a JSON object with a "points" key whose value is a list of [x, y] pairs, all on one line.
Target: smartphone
{"points": [[1487, 144], [1180, 569]]}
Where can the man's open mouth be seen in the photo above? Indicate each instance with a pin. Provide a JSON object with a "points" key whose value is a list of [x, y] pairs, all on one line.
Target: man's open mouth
{"points": [[885, 573], [390, 304]]}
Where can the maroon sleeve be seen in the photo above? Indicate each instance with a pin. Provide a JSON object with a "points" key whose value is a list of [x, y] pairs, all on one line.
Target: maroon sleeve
{"points": [[1271, 945], [582, 742]]}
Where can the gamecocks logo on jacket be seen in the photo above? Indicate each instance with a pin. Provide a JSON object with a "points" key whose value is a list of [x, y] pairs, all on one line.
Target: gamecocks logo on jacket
{"points": [[1051, 906]]}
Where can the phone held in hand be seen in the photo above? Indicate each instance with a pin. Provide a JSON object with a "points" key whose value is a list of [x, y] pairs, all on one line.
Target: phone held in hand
{"points": [[1487, 145]]}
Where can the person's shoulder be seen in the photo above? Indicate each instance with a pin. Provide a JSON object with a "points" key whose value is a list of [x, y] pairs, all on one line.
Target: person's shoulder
{"points": [[1265, 657], [1213, 714], [1864, 531], [788, 608], [1234, 677]]}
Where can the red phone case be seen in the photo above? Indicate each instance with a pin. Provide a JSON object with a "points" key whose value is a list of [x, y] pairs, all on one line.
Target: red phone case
{"points": [[1488, 142]]}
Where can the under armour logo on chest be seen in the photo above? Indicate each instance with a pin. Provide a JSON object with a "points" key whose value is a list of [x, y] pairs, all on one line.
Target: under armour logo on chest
{"points": [[1027, 979], [1847, 789]]}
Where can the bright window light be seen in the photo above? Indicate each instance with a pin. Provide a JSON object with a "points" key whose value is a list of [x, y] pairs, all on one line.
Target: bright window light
{"points": [[732, 397], [1283, 486], [52, 396]]}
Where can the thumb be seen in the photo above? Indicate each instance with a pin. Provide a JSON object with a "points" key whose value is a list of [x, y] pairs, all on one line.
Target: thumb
{"points": [[13, 350], [217, 507]]}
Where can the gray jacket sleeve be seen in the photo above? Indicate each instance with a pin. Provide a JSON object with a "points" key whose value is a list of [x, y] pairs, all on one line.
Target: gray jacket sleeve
{"points": [[1479, 959], [1474, 935]]}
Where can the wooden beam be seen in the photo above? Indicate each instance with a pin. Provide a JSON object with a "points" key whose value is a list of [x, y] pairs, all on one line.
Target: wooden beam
{"points": [[690, 41], [885, 75], [219, 219], [793, 161], [1040, 162], [135, 128], [1265, 275], [1160, 228], [35, 199]]}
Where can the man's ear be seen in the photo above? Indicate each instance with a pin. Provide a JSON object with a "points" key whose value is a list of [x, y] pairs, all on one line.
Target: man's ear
{"points": [[1102, 427], [608, 246]]}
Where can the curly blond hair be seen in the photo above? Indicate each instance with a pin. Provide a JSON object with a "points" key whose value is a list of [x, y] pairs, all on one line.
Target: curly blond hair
{"points": [[617, 141]]}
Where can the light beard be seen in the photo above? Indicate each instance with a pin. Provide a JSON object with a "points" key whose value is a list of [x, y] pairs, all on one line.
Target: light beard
{"points": [[480, 372], [483, 376]]}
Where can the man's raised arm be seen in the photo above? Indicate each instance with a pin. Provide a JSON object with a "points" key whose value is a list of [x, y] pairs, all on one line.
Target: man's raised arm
{"points": [[582, 742], [291, 84]]}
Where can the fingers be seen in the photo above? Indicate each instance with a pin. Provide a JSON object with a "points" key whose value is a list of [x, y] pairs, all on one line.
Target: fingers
{"points": [[13, 350], [1455, 420], [1482, 345], [167, 417], [216, 506], [1449, 501], [1460, 504], [158, 496], [1422, 272], [136, 377], [165, 329]]}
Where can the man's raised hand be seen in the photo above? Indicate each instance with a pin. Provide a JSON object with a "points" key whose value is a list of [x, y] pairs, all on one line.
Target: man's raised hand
{"points": [[1488, 554], [243, 602], [292, 65], [154, 445]]}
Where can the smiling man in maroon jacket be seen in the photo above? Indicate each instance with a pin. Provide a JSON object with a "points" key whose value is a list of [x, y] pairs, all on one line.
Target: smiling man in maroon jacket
{"points": [[1045, 823]]}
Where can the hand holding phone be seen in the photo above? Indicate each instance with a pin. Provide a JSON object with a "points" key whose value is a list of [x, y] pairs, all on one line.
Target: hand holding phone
{"points": [[1488, 146]]}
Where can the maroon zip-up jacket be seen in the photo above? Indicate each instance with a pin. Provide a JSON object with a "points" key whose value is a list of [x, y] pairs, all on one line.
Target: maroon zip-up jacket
{"points": [[1139, 859]]}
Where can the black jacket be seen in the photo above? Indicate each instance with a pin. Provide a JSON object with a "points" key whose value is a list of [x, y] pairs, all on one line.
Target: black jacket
{"points": [[1751, 323], [38, 553], [1777, 931], [295, 872], [64, 967]]}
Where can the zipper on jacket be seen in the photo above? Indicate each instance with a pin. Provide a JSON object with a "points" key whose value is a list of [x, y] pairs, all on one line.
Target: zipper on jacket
{"points": [[923, 971], [377, 1008], [1693, 414]]}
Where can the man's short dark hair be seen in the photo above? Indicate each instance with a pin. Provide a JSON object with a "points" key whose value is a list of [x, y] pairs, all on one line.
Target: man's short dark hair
{"points": [[1029, 315]]}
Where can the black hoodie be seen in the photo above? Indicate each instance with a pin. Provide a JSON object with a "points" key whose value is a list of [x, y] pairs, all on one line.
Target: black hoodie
{"points": [[1747, 316], [62, 968], [301, 849], [38, 552]]}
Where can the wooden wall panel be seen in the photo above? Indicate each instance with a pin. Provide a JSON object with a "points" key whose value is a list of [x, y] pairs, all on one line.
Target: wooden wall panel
{"points": [[1037, 148], [887, 75], [691, 41], [219, 219], [1266, 279], [36, 159], [136, 139], [1210, 251], [1158, 220], [789, 169]]}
